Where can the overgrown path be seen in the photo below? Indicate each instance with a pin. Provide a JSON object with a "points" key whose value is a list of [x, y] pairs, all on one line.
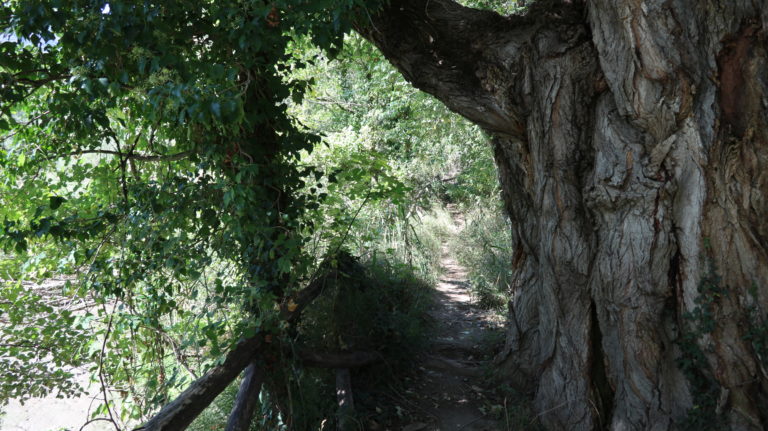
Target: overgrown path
{"points": [[448, 392]]}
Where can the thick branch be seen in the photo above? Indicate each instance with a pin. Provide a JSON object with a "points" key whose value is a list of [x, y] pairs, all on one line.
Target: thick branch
{"points": [[472, 60], [134, 156], [247, 398], [438, 46], [177, 415], [339, 360]]}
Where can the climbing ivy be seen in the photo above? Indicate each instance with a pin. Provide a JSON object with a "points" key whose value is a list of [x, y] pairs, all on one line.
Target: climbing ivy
{"points": [[693, 363], [153, 152], [146, 149]]}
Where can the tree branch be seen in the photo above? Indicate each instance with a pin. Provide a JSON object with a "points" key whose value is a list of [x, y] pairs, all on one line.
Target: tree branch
{"points": [[102, 380], [134, 156], [440, 51], [339, 360], [37, 83], [472, 60], [247, 398], [26, 123], [179, 413]]}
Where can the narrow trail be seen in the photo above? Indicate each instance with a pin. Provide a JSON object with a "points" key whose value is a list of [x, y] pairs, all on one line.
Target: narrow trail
{"points": [[448, 392]]}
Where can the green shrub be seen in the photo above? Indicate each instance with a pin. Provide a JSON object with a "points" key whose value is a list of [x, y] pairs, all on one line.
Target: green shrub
{"points": [[378, 308]]}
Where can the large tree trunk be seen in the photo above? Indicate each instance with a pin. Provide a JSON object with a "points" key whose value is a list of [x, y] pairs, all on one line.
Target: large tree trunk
{"points": [[631, 138]]}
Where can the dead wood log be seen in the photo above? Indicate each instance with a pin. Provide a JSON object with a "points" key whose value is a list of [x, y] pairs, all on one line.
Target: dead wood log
{"points": [[247, 398], [179, 413], [338, 360]]}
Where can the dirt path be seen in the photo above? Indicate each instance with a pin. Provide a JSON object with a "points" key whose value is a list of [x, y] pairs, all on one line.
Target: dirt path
{"points": [[448, 393]]}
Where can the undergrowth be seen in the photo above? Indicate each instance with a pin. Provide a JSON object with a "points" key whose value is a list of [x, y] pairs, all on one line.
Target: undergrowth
{"points": [[377, 305], [514, 410], [381, 311], [415, 241], [484, 247]]}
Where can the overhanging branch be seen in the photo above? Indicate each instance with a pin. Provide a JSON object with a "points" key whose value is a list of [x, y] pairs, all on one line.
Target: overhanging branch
{"points": [[474, 61], [438, 46], [339, 360], [134, 156]]}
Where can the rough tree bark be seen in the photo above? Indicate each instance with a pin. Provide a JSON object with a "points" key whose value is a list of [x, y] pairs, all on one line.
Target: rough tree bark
{"points": [[631, 139]]}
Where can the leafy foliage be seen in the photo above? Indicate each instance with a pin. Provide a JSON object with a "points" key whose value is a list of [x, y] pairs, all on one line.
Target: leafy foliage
{"points": [[174, 161], [38, 345], [395, 152], [368, 111], [503, 7], [147, 149]]}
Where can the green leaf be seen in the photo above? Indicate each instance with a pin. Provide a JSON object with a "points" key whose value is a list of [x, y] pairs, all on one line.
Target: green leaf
{"points": [[55, 202]]}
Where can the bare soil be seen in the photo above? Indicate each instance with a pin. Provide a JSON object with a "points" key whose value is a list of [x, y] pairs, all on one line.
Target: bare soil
{"points": [[55, 414]]}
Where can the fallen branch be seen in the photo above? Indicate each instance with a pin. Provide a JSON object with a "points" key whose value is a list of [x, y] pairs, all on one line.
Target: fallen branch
{"points": [[339, 360], [177, 415], [247, 398], [346, 412]]}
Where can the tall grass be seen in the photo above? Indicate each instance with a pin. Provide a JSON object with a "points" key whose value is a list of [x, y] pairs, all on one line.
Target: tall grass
{"points": [[484, 247], [412, 236]]}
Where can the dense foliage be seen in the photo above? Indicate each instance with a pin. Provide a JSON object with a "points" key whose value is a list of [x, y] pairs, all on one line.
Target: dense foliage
{"points": [[147, 149], [180, 170], [396, 151]]}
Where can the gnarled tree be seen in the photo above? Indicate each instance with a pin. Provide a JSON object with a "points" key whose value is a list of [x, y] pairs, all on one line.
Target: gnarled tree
{"points": [[631, 138], [632, 144]]}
